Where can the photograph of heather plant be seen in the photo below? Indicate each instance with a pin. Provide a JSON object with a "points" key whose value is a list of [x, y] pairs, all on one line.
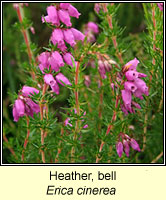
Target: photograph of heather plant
{"points": [[83, 83]]}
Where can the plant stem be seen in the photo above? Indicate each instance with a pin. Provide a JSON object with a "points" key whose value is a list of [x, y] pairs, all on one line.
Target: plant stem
{"points": [[41, 118], [100, 103], [109, 128], [9, 147], [150, 79], [114, 40], [20, 13], [157, 158], [77, 109], [59, 146], [26, 139]]}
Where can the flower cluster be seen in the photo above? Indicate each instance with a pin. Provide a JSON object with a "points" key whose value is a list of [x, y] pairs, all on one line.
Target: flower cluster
{"points": [[53, 83], [160, 5], [56, 59], [134, 85], [125, 144], [24, 104], [61, 13], [98, 7], [90, 30], [104, 64]]}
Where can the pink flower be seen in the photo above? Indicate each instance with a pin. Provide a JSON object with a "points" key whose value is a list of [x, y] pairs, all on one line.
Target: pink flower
{"points": [[160, 5], [49, 79], [64, 17], [87, 80], [34, 107], [56, 61], [68, 59], [26, 91], [131, 75], [73, 11], [85, 126], [32, 30], [134, 145], [136, 104], [45, 18], [93, 27], [18, 109], [125, 145], [107, 66], [126, 96], [131, 65], [119, 148], [69, 37], [43, 59], [77, 34], [57, 37], [97, 7], [58, 58], [54, 64], [130, 86], [66, 122], [64, 5], [62, 79], [101, 69], [133, 85], [141, 85], [52, 16], [24, 105], [138, 94]]}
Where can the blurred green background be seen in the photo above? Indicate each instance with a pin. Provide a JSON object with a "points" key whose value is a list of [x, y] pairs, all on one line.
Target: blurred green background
{"points": [[130, 15]]}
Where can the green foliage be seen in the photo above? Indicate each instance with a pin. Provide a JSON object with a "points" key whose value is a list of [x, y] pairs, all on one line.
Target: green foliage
{"points": [[131, 35]]}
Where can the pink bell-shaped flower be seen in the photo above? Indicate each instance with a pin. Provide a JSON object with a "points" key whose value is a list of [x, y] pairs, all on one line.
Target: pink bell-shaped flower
{"points": [[134, 145], [73, 11], [131, 65], [119, 149], [64, 5], [64, 17], [93, 27], [68, 59], [26, 91], [62, 79], [49, 79], [77, 34], [69, 37]]}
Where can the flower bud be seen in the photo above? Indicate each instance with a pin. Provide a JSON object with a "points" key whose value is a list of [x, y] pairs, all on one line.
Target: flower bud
{"points": [[119, 148], [126, 147], [134, 145]]}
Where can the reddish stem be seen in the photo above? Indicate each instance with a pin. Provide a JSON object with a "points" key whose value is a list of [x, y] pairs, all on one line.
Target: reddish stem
{"points": [[9, 147], [25, 35], [26, 139], [109, 128]]}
